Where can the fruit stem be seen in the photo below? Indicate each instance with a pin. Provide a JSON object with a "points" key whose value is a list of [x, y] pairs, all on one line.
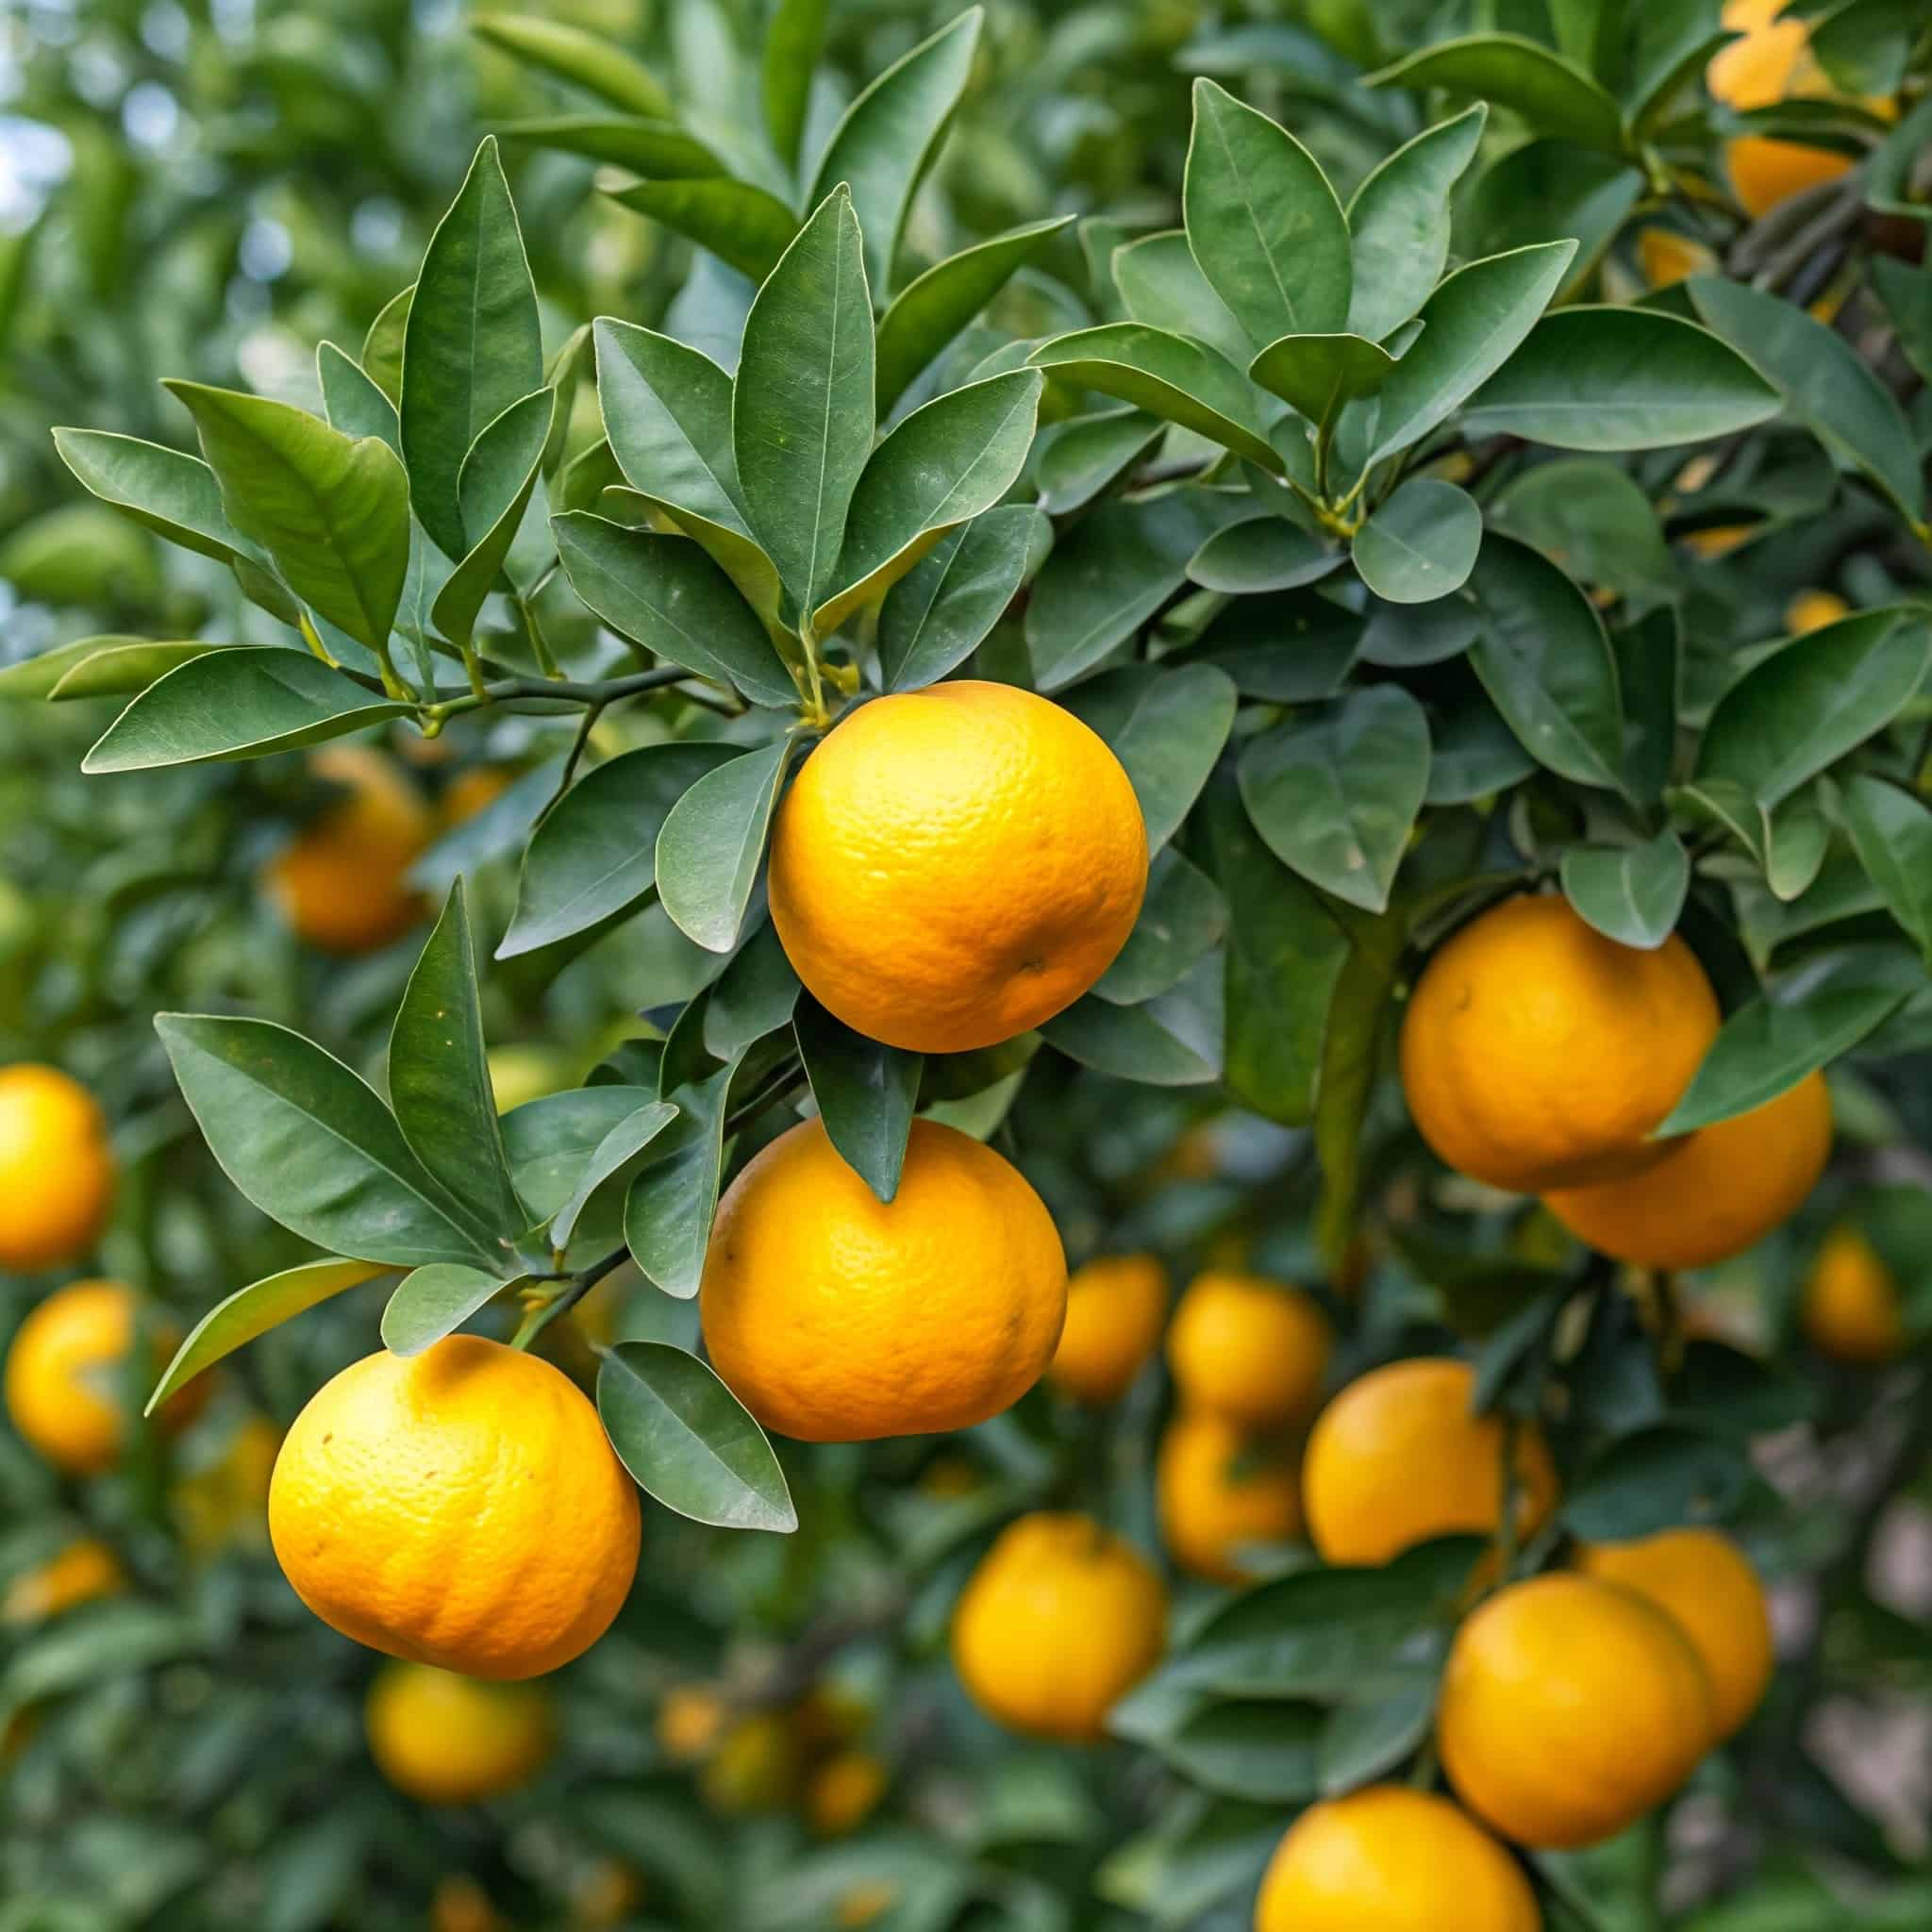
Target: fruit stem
{"points": [[572, 1291]]}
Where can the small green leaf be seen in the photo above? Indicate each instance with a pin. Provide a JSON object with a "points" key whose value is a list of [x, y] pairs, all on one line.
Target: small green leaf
{"points": [[1891, 832], [1131, 1043], [434, 1301], [1509, 70], [1351, 1057], [588, 61], [1593, 517], [1182, 918], [658, 149], [713, 842], [354, 402], [1421, 543], [1317, 375], [614, 1152], [1263, 1751], [382, 347], [549, 1141], [669, 1209], [940, 610], [1261, 554], [98, 668], [667, 412], [755, 995], [1399, 224], [254, 1310], [1167, 726], [163, 490], [1655, 1479], [1077, 458], [1633, 894], [1363, 1742], [1162, 285], [865, 1093], [794, 44], [744, 226], [689, 1442], [493, 491]]}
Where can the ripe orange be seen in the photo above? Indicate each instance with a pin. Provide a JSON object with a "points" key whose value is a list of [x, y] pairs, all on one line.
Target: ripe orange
{"points": [[836, 1317], [1851, 1310], [690, 1719], [57, 1171], [1217, 1490], [1538, 1053], [955, 865], [1716, 1193], [1386, 1859], [1702, 1579], [420, 1506], [65, 1375], [1251, 1350], [1059, 1621], [1813, 609], [473, 790], [85, 1570], [1115, 1307], [340, 881], [460, 1905], [1665, 258], [1568, 1708], [843, 1793], [447, 1739], [1397, 1458]]}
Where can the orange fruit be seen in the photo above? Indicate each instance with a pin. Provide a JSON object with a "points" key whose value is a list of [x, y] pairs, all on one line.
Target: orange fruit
{"points": [[57, 1171], [1059, 1621], [85, 1570], [460, 1905], [1115, 1308], [1568, 1708], [1217, 1490], [1702, 1579], [66, 1374], [1766, 172], [1397, 1458], [473, 790], [1720, 540], [843, 1793], [836, 1317], [1812, 610], [690, 1719], [462, 1506], [1385, 1859], [1716, 1193], [607, 1894], [340, 883], [1538, 1053], [448, 1739], [1851, 1309], [955, 865], [1249, 1349], [1665, 258]]}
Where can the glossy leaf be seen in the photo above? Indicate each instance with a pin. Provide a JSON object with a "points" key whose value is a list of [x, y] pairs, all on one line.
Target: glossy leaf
{"points": [[865, 1093], [1509, 70], [1553, 187], [1130, 1043], [1261, 554], [1362, 1741], [434, 1301], [942, 609], [1398, 224], [1351, 1056], [585, 60], [1167, 726], [165, 490], [1317, 375], [1633, 894], [549, 1141], [793, 43], [613, 1153], [1655, 1479], [658, 149], [713, 842], [669, 1209], [687, 1441], [1162, 285], [755, 995], [101, 668], [743, 226], [1263, 1751], [493, 491], [1891, 832], [1182, 918], [382, 347], [667, 412], [354, 402], [1077, 458], [1421, 543]]}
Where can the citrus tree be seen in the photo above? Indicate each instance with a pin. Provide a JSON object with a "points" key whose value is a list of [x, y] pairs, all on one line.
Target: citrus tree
{"points": [[1352, 718]]}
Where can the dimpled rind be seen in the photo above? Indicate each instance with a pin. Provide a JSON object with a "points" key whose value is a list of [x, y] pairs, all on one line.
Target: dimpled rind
{"points": [[834, 1317], [955, 865], [461, 1507]]}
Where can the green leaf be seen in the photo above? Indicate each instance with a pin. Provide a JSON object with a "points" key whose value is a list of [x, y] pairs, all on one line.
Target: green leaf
{"points": [[244, 703], [1647, 653], [744, 226], [588, 61], [434, 1301], [669, 1209], [1620, 379], [1167, 726], [667, 412], [1162, 285], [1261, 554], [1131, 1043], [1361, 1742], [613, 1153], [756, 994], [1351, 1058], [1553, 187], [1182, 918], [1474, 753], [1593, 519], [1317, 375], [473, 345], [713, 842], [1654, 1480], [1470, 327], [1673, 40], [254, 1310], [1889, 173], [550, 1141], [1812, 701], [932, 309], [1288, 648], [1335, 791], [946, 463], [658, 149], [1866, 45], [1078, 458], [665, 593], [353, 402], [1892, 833], [1818, 1012], [382, 347], [688, 1441], [940, 610], [312, 1145], [334, 513], [1907, 293], [1421, 543], [1172, 376], [865, 1093], [1545, 662], [1264, 223], [1508, 71], [1633, 894], [793, 43], [802, 408], [595, 855], [438, 1080], [1398, 224], [888, 137], [1823, 380], [165, 490], [1263, 1751], [493, 491], [110, 665]]}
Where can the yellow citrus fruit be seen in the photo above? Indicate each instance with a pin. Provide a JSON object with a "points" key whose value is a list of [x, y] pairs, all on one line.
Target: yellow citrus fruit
{"points": [[1812, 610], [1665, 258], [85, 1570], [1217, 1490], [843, 1793], [475, 790], [1537, 1053], [956, 864], [460, 1905], [1703, 1579], [1115, 1307], [1766, 172], [66, 1368], [1568, 1708], [690, 1719], [756, 1766], [1386, 1859], [448, 1739], [56, 1172], [1059, 1621], [419, 1506], [1716, 1193], [1397, 1458], [1252, 1350], [1851, 1309], [1720, 540], [836, 1317], [340, 881]]}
